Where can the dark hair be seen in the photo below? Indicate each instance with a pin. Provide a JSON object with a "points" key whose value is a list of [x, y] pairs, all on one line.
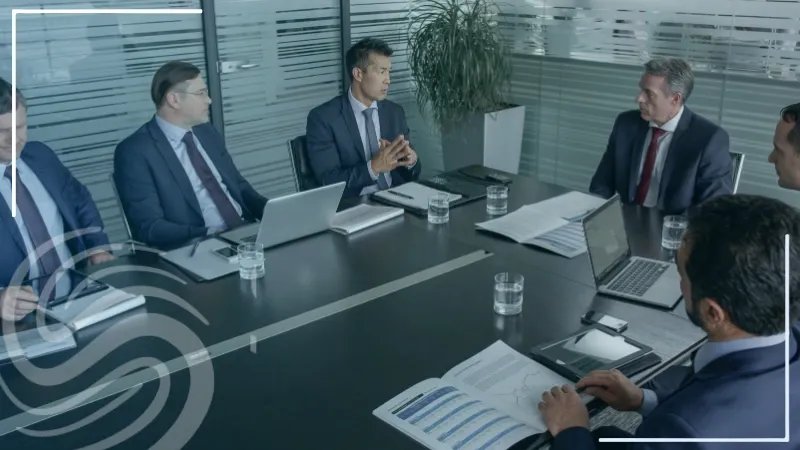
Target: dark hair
{"points": [[5, 97], [358, 54], [736, 257], [170, 75], [677, 73], [791, 114]]}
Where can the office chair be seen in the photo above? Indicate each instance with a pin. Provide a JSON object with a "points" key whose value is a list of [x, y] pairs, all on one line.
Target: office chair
{"points": [[124, 218], [304, 178], [738, 163]]}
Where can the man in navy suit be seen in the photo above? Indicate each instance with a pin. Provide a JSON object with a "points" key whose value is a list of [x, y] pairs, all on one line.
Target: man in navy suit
{"points": [[732, 279], [56, 224], [664, 155], [175, 178], [785, 155], [359, 137]]}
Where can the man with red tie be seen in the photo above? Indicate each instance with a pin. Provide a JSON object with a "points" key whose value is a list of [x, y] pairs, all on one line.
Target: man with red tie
{"points": [[175, 178], [663, 155]]}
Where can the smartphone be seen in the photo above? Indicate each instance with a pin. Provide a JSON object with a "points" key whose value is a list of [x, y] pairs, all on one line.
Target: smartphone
{"points": [[68, 285], [228, 254], [592, 317]]}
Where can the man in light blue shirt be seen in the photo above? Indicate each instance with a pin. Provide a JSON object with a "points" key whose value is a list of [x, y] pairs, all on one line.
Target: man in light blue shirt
{"points": [[56, 224], [732, 279]]}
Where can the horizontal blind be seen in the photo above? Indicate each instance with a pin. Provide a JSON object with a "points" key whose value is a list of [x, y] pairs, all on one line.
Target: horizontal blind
{"points": [[578, 62], [87, 80], [388, 20], [293, 51]]}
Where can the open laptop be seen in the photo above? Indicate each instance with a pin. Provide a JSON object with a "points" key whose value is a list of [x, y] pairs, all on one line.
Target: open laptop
{"points": [[291, 217], [619, 274]]}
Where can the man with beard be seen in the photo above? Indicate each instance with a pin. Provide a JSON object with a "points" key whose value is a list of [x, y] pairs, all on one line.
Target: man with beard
{"points": [[732, 279]]}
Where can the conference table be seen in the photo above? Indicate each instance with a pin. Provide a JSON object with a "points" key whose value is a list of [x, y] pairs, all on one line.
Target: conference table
{"points": [[301, 357]]}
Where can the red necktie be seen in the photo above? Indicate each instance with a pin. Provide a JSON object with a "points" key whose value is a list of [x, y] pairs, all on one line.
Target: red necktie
{"points": [[649, 163]]}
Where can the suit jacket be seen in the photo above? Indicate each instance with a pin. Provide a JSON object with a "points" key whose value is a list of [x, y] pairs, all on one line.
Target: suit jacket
{"points": [[73, 201], [336, 152], [739, 395], [698, 164], [156, 194]]}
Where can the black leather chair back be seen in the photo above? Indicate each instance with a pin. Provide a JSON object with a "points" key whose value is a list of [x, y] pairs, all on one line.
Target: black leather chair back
{"points": [[303, 175]]}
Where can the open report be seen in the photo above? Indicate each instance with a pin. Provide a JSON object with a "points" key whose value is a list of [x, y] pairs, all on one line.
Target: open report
{"points": [[489, 401]]}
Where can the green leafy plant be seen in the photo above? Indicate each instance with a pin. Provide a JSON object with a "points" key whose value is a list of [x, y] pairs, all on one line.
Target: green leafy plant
{"points": [[458, 59]]}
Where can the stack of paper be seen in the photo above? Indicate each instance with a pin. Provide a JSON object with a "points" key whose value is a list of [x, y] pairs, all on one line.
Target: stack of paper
{"points": [[413, 195], [553, 224], [362, 216], [33, 342], [82, 312]]}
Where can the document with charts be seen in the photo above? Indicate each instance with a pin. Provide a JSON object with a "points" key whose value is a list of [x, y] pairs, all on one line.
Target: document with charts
{"points": [[553, 224], [487, 402]]}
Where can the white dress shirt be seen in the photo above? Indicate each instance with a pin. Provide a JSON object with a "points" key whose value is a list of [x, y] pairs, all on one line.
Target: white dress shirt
{"points": [[361, 121], [211, 215], [661, 156], [53, 220]]}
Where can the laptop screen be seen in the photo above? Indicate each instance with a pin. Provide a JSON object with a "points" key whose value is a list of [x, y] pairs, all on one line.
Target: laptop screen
{"points": [[605, 237]]}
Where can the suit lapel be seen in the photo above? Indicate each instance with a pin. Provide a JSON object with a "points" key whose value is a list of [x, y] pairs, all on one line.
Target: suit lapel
{"points": [[174, 164], [11, 224], [673, 153], [636, 158], [350, 121], [383, 120]]}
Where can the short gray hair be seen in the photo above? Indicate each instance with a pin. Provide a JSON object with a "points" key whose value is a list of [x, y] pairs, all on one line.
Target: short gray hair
{"points": [[676, 72]]}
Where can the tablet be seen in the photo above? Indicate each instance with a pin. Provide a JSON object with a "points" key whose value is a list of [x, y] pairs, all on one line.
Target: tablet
{"points": [[592, 348]]}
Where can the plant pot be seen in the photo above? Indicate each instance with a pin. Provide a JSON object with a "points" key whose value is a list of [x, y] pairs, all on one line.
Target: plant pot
{"points": [[492, 139]]}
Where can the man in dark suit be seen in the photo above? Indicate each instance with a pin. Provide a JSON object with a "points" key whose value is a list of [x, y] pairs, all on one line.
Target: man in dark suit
{"points": [[56, 224], [663, 155], [732, 279], [785, 155], [359, 137], [174, 175]]}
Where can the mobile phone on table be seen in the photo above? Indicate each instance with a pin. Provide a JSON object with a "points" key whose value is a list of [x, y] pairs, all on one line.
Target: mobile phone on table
{"points": [[594, 317], [229, 254]]}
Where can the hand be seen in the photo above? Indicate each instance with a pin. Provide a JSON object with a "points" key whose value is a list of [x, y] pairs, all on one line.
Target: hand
{"points": [[100, 257], [387, 157], [412, 157], [561, 408], [614, 388], [17, 302]]}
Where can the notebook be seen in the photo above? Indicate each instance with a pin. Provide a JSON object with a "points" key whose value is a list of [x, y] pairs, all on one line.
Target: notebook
{"points": [[412, 195], [85, 311], [205, 265], [361, 217]]}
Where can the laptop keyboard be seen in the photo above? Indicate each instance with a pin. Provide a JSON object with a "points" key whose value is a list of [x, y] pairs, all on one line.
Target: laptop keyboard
{"points": [[637, 278]]}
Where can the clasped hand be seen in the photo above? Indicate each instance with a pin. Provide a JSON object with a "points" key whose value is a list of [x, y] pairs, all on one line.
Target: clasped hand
{"points": [[392, 155]]}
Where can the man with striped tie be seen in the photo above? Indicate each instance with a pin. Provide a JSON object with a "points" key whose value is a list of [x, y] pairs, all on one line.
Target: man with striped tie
{"points": [[56, 224], [360, 137], [175, 178]]}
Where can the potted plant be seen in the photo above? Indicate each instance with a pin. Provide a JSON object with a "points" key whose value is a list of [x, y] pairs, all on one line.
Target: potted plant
{"points": [[461, 67]]}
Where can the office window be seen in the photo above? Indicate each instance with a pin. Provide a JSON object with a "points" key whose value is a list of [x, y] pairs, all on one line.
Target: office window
{"points": [[87, 80], [578, 62]]}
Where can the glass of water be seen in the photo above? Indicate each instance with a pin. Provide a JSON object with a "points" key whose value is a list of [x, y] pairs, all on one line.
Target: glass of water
{"points": [[439, 208], [497, 200], [672, 232], [508, 293], [251, 261]]}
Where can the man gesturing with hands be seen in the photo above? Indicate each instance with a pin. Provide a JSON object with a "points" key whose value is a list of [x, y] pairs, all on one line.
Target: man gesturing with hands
{"points": [[731, 266], [359, 137]]}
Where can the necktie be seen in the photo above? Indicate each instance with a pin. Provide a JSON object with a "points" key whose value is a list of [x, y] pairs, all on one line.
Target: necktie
{"points": [[221, 201], [649, 163], [47, 258], [372, 140]]}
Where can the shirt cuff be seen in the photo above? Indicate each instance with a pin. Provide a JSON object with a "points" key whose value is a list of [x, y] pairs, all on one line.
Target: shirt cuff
{"points": [[649, 402], [371, 173]]}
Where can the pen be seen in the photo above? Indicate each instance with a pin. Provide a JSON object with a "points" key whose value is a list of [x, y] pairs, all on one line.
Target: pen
{"points": [[194, 248], [401, 195]]}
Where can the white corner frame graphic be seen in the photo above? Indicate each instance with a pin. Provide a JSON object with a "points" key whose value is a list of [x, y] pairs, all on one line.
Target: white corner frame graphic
{"points": [[788, 328], [14, 13]]}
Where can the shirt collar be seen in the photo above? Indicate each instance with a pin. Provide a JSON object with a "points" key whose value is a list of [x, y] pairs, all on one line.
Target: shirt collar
{"points": [[20, 166], [173, 132], [714, 350], [359, 107], [672, 124]]}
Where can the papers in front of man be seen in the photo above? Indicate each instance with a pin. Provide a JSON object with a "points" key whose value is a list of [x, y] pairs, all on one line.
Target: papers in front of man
{"points": [[81, 312], [488, 402], [363, 216], [553, 224], [29, 342], [201, 263]]}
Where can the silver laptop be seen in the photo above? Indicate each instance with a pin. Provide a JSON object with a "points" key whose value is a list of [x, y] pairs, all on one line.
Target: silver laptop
{"points": [[619, 274], [291, 217]]}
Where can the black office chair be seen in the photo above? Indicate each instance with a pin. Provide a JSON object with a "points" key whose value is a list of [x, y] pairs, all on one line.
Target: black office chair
{"points": [[304, 178], [738, 162], [133, 243]]}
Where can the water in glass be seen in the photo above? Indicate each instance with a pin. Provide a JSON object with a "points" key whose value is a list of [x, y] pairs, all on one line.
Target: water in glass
{"points": [[439, 209], [672, 232], [496, 200], [508, 294], [251, 261]]}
